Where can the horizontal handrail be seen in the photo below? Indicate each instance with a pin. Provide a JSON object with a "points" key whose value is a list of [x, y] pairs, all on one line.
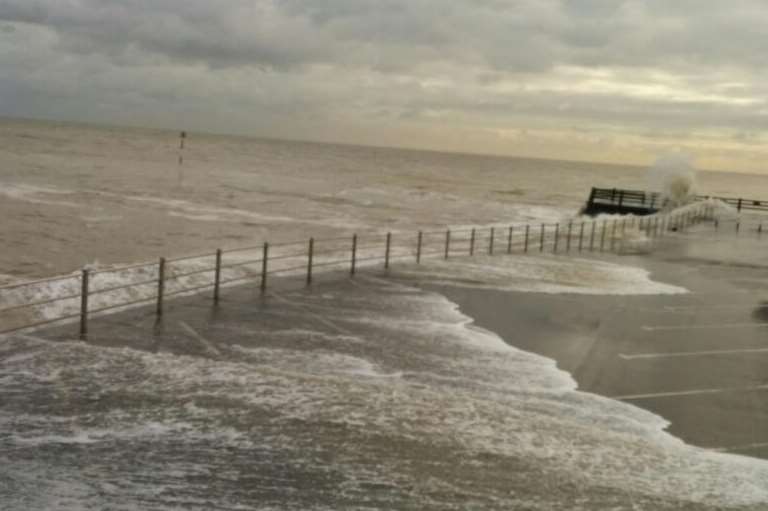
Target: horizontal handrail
{"points": [[122, 268], [174, 276], [286, 270], [123, 304], [190, 258], [40, 281], [238, 279], [38, 304], [120, 288], [39, 324], [241, 264], [283, 257], [190, 290], [330, 263], [356, 250]]}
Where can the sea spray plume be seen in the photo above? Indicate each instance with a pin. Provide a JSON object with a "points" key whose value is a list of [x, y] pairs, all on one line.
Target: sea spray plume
{"points": [[674, 177]]}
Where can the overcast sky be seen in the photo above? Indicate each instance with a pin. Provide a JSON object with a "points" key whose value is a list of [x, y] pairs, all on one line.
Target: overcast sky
{"points": [[580, 79]]}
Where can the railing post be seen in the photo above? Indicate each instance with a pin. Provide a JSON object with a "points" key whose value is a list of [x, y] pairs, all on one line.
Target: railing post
{"points": [[527, 236], [557, 237], [490, 244], [568, 240], [581, 237], [592, 236], [387, 251], [541, 238], [472, 243], [310, 259], [738, 226], [447, 243], [264, 267], [509, 239], [738, 207], [613, 235], [353, 262], [86, 275], [419, 241], [160, 286], [602, 236], [217, 277]]}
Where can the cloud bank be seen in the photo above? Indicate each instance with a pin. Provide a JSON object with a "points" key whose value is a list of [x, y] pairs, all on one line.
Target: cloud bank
{"points": [[586, 79]]}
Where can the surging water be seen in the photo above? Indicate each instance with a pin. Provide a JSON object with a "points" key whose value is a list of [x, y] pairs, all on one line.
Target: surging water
{"points": [[674, 178], [373, 394], [369, 394], [76, 195]]}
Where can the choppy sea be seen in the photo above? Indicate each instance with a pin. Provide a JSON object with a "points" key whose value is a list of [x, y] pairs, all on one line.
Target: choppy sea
{"points": [[366, 394]]}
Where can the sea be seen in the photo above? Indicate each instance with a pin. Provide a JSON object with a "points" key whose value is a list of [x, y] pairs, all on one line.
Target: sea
{"points": [[372, 394]]}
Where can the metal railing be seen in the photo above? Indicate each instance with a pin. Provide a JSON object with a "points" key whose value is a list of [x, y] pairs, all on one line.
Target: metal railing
{"points": [[84, 296]]}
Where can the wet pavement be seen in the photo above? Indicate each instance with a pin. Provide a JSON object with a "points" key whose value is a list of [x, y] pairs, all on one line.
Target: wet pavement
{"points": [[700, 360], [376, 393]]}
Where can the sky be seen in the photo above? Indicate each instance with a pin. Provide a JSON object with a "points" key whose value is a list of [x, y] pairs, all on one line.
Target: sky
{"points": [[599, 80]]}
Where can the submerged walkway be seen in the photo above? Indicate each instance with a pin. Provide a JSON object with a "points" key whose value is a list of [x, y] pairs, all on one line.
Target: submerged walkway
{"points": [[372, 392], [700, 360]]}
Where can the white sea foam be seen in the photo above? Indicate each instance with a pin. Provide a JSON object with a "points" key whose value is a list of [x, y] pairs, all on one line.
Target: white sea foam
{"points": [[459, 386], [674, 177], [36, 194], [544, 274]]}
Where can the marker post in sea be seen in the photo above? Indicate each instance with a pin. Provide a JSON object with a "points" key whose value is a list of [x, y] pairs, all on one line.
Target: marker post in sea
{"points": [[182, 143]]}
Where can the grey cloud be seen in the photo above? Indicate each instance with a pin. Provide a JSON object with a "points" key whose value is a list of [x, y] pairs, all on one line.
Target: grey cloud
{"points": [[410, 60], [510, 36]]}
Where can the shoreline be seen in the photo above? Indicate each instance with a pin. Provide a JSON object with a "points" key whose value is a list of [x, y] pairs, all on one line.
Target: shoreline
{"points": [[712, 399]]}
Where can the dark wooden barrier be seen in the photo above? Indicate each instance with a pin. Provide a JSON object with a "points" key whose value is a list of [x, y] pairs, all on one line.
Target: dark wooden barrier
{"points": [[617, 201]]}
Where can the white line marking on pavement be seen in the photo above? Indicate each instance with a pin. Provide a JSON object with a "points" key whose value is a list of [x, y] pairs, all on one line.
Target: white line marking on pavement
{"points": [[697, 392], [745, 447], [205, 343], [695, 308], [642, 356], [714, 326], [318, 317]]}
